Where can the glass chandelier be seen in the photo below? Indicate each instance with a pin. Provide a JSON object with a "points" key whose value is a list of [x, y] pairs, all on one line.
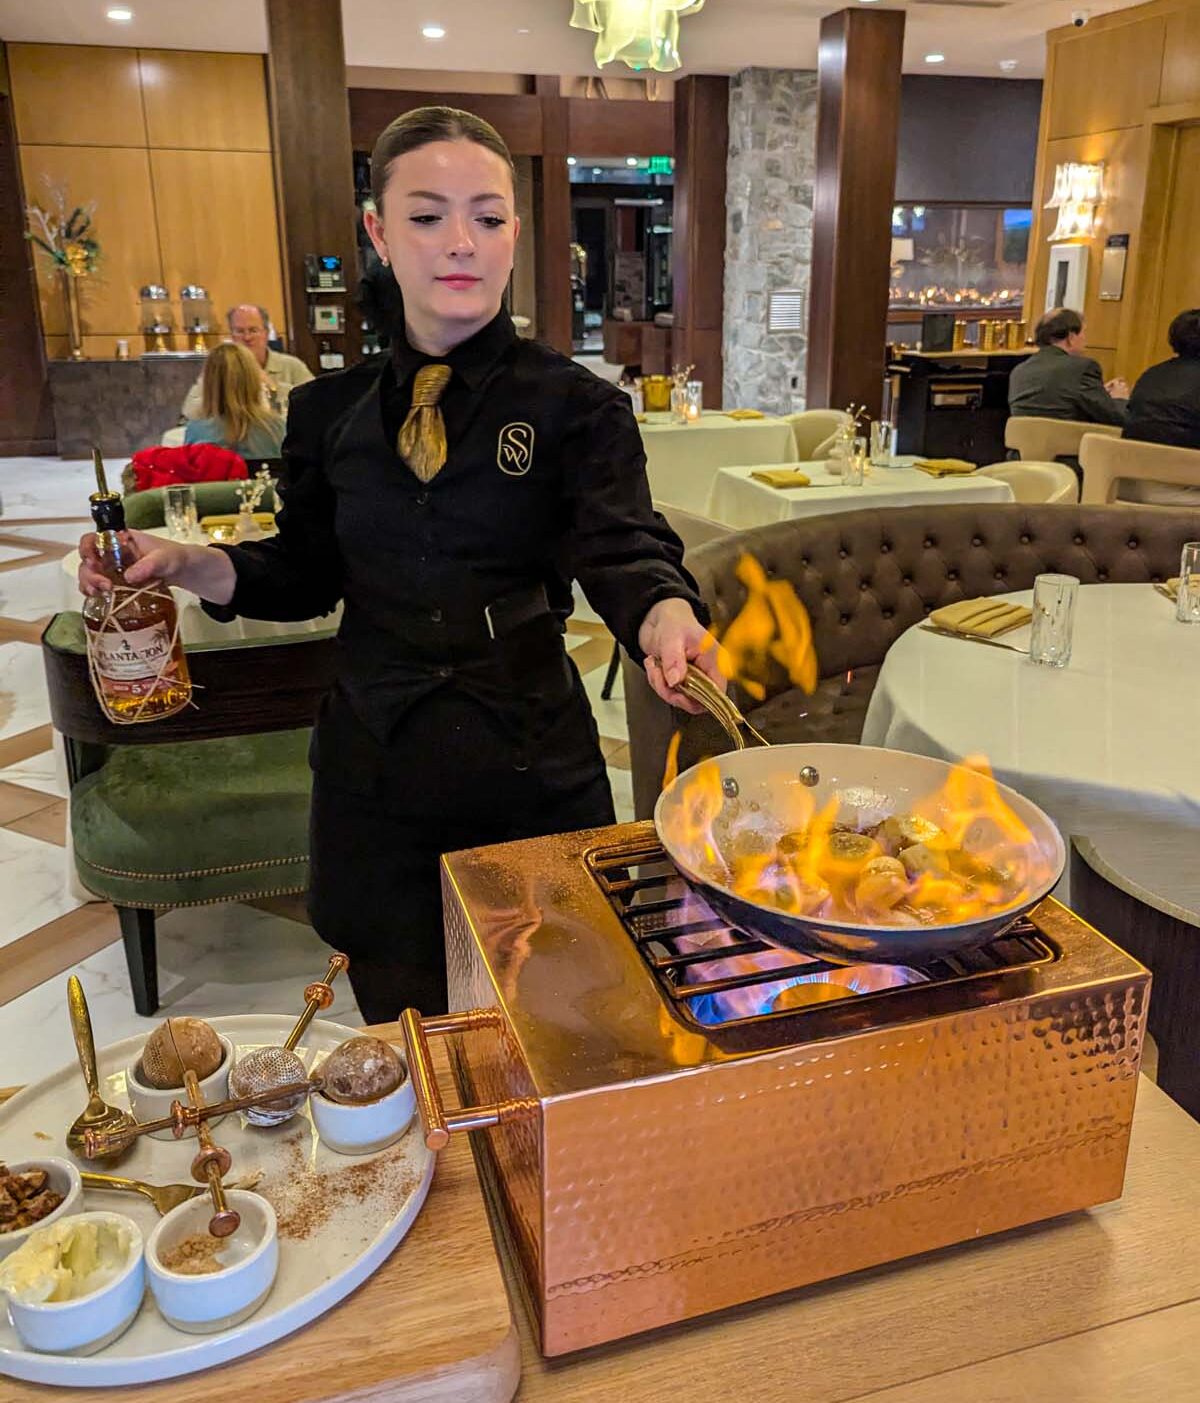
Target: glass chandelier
{"points": [[641, 33], [1078, 189]]}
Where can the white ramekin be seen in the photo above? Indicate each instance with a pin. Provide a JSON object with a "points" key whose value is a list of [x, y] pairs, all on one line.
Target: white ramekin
{"points": [[65, 1180], [359, 1128], [87, 1324], [152, 1103], [217, 1300]]}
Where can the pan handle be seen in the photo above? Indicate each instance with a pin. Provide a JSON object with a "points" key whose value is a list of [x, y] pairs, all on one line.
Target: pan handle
{"points": [[436, 1123], [704, 690]]}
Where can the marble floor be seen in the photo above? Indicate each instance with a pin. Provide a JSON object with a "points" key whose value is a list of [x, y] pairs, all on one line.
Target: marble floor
{"points": [[212, 959]]}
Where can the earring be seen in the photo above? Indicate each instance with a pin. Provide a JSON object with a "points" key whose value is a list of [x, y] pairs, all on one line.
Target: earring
{"points": [[387, 262]]}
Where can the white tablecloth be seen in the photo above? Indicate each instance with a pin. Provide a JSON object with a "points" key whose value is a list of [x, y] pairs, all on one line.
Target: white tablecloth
{"points": [[737, 500], [682, 459], [1104, 745]]}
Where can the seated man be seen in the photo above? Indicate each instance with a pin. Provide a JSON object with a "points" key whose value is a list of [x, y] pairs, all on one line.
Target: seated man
{"points": [[1165, 404], [1060, 382], [248, 326]]}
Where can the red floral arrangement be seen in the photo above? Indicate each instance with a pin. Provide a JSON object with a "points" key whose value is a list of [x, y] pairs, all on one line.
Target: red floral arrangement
{"points": [[194, 462]]}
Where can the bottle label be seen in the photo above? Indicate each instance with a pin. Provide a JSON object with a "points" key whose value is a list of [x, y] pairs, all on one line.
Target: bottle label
{"points": [[132, 661]]}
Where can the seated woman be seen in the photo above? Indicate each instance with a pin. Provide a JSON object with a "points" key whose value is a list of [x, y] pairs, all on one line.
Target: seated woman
{"points": [[234, 410], [1165, 404]]}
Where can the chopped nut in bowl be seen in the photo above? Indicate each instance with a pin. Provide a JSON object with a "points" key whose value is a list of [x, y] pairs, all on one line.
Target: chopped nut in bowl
{"points": [[33, 1193]]}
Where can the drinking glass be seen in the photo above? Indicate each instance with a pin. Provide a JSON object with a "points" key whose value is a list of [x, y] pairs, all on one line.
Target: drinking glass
{"points": [[693, 400], [179, 511], [678, 404], [1187, 601], [883, 437], [1053, 619]]}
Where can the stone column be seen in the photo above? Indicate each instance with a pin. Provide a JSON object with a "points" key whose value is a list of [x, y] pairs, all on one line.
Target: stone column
{"points": [[768, 240]]}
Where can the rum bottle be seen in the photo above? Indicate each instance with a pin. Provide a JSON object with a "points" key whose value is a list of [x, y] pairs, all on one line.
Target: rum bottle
{"points": [[138, 667]]}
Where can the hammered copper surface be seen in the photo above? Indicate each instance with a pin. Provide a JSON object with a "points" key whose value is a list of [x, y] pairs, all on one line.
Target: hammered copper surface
{"points": [[666, 1177]]}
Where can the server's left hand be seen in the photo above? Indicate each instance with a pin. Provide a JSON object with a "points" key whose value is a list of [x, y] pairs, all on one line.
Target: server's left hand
{"points": [[671, 636]]}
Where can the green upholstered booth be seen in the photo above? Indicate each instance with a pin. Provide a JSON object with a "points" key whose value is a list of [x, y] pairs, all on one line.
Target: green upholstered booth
{"points": [[205, 806], [144, 510]]}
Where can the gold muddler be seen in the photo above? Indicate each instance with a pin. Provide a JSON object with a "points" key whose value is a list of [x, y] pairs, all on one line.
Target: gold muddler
{"points": [[211, 1163]]}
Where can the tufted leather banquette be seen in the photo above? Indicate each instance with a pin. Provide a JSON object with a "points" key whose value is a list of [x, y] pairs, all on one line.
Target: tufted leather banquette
{"points": [[865, 577]]}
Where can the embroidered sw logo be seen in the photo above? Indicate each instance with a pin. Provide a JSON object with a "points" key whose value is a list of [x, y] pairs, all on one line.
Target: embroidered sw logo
{"points": [[514, 450]]}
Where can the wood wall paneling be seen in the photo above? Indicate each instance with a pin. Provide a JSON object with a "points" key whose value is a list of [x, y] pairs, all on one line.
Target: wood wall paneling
{"points": [[1179, 285], [118, 179], [598, 127], [76, 95], [313, 158], [205, 101], [1181, 57], [26, 420], [217, 227], [701, 151], [858, 116], [1106, 78], [552, 220], [518, 119], [1124, 155]]}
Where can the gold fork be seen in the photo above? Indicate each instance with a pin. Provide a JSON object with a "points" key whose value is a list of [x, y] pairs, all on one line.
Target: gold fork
{"points": [[163, 1196]]}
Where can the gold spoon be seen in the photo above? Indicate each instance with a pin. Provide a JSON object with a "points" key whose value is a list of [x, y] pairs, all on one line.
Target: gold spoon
{"points": [[163, 1196], [97, 1115]]}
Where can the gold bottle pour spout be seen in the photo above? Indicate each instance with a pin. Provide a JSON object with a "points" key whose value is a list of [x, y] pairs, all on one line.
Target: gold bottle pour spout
{"points": [[102, 492]]}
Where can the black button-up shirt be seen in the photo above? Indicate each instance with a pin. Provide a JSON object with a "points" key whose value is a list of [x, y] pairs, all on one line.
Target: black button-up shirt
{"points": [[544, 482]]}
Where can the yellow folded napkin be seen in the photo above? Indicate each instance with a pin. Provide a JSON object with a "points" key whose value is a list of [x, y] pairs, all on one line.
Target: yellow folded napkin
{"points": [[744, 414], [209, 524], [1171, 588], [641, 418], [782, 477], [981, 618], [944, 467]]}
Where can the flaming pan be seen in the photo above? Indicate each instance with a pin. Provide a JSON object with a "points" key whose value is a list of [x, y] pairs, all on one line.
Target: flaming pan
{"points": [[764, 793]]}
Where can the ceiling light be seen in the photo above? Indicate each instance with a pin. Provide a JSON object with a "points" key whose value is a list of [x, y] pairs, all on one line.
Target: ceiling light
{"points": [[119, 14], [935, 58], [433, 31], [631, 160], [595, 170], [640, 33], [525, 30], [1008, 64], [570, 160]]}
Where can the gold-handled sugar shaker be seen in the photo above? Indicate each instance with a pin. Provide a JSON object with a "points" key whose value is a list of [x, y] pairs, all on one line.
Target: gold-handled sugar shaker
{"points": [[266, 1068], [210, 1165]]}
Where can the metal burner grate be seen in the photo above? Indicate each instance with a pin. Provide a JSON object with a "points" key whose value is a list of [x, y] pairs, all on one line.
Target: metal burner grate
{"points": [[717, 975]]}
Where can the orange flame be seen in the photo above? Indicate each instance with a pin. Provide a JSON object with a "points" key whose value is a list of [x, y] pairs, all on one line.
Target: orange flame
{"points": [[957, 854], [772, 629]]}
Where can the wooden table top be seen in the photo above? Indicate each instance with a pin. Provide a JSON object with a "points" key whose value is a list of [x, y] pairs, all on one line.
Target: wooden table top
{"points": [[1103, 1305]]}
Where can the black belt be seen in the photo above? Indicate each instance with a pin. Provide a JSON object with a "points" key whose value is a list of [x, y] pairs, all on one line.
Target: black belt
{"points": [[508, 613]]}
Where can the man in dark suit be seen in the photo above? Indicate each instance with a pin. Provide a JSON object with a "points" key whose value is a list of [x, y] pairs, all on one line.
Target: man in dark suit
{"points": [[1165, 404], [1060, 382]]}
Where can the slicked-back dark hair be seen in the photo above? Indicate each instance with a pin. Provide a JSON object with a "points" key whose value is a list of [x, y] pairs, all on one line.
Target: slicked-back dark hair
{"points": [[1057, 325], [423, 125], [1184, 334]]}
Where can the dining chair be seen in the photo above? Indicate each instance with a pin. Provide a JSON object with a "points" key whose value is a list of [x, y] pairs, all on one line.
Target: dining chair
{"points": [[1036, 482], [1038, 440], [1128, 470], [144, 510], [813, 428], [209, 805]]}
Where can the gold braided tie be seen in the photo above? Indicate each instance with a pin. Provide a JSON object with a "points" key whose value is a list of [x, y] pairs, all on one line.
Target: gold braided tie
{"points": [[422, 438]]}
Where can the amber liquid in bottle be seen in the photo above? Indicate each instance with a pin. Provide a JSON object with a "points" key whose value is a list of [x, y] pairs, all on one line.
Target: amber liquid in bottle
{"points": [[139, 667]]}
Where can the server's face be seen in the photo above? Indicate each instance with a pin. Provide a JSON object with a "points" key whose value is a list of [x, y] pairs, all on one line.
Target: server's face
{"points": [[449, 229]]}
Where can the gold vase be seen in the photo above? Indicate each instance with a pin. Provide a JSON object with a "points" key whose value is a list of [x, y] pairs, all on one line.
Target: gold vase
{"points": [[74, 325]]}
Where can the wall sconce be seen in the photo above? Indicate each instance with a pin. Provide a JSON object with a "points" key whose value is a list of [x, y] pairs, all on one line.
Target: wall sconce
{"points": [[1078, 189]]}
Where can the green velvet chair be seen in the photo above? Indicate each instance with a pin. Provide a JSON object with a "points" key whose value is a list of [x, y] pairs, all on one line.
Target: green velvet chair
{"points": [[206, 806], [145, 510]]}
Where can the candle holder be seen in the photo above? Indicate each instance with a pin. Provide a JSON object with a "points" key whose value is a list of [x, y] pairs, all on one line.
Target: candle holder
{"points": [[693, 400]]}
